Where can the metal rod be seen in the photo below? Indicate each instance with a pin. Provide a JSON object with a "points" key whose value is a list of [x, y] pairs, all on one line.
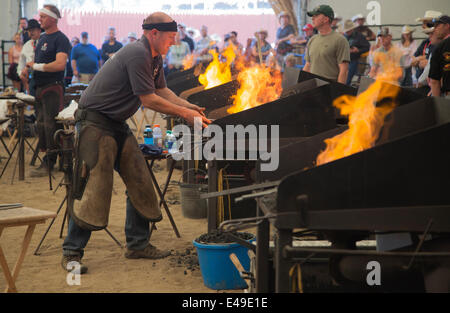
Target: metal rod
{"points": [[21, 107], [113, 238], [239, 190]]}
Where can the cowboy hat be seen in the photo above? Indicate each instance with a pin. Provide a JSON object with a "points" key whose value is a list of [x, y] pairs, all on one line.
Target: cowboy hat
{"points": [[429, 15]]}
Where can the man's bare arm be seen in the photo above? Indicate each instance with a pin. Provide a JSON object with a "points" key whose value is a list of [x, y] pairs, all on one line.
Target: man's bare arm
{"points": [[307, 67], [343, 72], [435, 87], [159, 104], [169, 95], [56, 66]]}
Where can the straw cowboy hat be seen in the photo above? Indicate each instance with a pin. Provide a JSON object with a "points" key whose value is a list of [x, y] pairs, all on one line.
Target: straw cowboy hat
{"points": [[407, 29], [429, 15], [349, 25]]}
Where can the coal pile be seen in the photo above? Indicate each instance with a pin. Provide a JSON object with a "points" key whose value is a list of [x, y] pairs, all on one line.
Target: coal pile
{"points": [[217, 236]]}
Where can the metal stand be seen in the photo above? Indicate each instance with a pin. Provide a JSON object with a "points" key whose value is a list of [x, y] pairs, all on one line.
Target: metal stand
{"points": [[19, 118], [66, 137]]}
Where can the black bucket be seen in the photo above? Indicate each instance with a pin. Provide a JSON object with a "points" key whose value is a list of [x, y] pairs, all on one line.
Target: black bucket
{"points": [[191, 204]]}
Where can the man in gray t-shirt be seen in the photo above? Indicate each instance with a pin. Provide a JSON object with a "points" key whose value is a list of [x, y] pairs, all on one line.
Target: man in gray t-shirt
{"points": [[327, 53], [133, 77]]}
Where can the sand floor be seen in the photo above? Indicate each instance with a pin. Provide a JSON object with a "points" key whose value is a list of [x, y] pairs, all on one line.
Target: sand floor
{"points": [[109, 270]]}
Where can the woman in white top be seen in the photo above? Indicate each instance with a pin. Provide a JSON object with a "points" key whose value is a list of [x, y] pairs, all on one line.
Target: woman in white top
{"points": [[408, 46]]}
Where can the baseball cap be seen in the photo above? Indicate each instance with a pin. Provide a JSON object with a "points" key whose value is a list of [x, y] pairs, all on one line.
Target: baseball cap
{"points": [[444, 19], [308, 27], [322, 9], [33, 24], [132, 35], [84, 35]]}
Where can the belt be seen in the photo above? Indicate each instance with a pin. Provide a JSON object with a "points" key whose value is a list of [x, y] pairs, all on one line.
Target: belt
{"points": [[99, 118]]}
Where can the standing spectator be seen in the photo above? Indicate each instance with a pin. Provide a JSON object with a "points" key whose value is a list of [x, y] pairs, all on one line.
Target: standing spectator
{"points": [[13, 60], [285, 33], [23, 24], [308, 31], [184, 37], [111, 46], [203, 46], [408, 46], [327, 53], [440, 60], [27, 55], [69, 72], [393, 53], [50, 60], [422, 54], [358, 46], [176, 55], [132, 37], [260, 44], [359, 19], [85, 60], [336, 24]]}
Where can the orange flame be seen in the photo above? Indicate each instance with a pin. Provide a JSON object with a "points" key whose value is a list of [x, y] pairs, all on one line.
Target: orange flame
{"points": [[218, 73], [188, 61], [257, 86], [365, 118]]}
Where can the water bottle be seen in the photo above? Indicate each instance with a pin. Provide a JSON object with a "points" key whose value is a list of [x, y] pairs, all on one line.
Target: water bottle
{"points": [[170, 142], [157, 136], [148, 135]]}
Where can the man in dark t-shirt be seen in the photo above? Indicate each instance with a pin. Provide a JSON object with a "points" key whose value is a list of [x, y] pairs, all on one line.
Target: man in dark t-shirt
{"points": [[50, 59], [111, 46], [440, 60], [134, 76]]}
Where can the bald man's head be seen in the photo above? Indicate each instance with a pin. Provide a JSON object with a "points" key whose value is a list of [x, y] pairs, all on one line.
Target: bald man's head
{"points": [[158, 17], [160, 40]]}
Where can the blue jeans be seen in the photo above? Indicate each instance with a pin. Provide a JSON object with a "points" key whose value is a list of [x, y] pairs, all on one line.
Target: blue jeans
{"points": [[137, 233], [352, 69]]}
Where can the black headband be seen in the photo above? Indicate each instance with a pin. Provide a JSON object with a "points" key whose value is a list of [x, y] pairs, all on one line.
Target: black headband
{"points": [[162, 27]]}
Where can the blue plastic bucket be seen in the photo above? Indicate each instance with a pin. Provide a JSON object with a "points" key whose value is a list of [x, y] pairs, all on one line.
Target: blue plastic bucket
{"points": [[218, 272]]}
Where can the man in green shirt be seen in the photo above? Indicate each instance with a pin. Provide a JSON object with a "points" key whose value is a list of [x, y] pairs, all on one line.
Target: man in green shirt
{"points": [[328, 52]]}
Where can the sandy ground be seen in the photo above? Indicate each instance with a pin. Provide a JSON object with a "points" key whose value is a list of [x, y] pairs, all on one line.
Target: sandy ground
{"points": [[109, 270]]}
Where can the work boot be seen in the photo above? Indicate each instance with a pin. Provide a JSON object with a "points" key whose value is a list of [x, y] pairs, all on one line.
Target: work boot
{"points": [[41, 171], [66, 259], [149, 252]]}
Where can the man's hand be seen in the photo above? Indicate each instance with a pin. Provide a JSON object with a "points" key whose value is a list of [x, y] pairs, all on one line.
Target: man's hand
{"points": [[423, 63], [190, 115], [30, 64], [76, 74], [198, 109]]}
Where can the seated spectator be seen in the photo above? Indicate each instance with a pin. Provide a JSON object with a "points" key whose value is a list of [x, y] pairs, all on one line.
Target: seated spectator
{"points": [[185, 37], [358, 46], [85, 60], [260, 45], [111, 46], [13, 60], [285, 33], [203, 46], [235, 42], [176, 55], [394, 54], [359, 19], [408, 46]]}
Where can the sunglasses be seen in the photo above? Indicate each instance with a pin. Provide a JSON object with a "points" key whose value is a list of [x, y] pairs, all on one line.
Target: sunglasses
{"points": [[430, 25]]}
